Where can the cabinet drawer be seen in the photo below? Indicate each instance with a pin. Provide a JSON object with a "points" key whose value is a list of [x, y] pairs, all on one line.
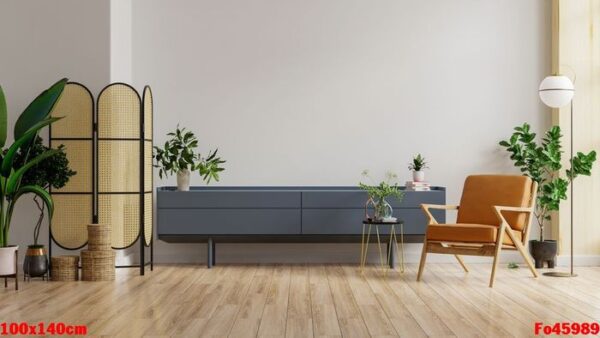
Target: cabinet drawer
{"points": [[356, 199], [228, 199], [229, 222], [349, 221]]}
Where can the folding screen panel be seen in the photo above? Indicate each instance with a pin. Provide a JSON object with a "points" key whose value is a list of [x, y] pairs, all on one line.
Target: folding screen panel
{"points": [[74, 202], [120, 149], [148, 177]]}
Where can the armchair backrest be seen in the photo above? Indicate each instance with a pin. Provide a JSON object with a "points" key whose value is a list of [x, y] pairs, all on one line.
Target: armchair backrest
{"points": [[482, 192]]}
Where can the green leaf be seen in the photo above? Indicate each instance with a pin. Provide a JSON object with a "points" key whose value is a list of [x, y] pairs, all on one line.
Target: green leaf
{"points": [[39, 191], [7, 162], [15, 178], [3, 118], [39, 108]]}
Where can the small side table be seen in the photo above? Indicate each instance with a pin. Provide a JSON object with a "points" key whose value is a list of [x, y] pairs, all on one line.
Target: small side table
{"points": [[392, 249]]}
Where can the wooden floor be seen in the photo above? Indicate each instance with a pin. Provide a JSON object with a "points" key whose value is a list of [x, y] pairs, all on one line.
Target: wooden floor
{"points": [[308, 301]]}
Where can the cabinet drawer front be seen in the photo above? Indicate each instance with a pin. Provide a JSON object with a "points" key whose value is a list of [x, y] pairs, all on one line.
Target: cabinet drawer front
{"points": [[228, 199], [357, 199], [349, 221], [229, 222]]}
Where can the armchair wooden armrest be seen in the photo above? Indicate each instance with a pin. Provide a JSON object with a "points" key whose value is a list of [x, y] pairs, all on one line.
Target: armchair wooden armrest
{"points": [[426, 207], [500, 208]]}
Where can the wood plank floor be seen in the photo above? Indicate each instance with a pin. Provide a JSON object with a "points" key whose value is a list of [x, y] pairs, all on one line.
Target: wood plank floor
{"points": [[309, 301]]}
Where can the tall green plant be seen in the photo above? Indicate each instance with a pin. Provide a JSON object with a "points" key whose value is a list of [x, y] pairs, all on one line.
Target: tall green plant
{"points": [[30, 122], [542, 162]]}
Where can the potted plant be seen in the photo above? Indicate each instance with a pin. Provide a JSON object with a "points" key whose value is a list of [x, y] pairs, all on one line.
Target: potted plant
{"points": [[379, 193], [178, 156], [30, 122], [542, 163], [52, 172], [416, 166]]}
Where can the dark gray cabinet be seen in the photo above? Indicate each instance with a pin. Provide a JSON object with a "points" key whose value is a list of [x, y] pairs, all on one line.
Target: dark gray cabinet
{"points": [[279, 214]]}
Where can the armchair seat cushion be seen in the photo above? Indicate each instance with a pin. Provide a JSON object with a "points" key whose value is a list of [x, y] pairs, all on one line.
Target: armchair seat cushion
{"points": [[467, 233]]}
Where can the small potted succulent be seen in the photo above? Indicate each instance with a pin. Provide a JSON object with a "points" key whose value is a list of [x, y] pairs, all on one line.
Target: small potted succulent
{"points": [[178, 156], [378, 195], [542, 163], [416, 166], [53, 172]]}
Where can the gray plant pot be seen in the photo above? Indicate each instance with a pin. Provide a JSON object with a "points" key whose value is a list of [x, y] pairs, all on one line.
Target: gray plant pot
{"points": [[545, 251]]}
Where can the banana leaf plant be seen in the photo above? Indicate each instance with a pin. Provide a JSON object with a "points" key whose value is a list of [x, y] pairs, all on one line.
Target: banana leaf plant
{"points": [[35, 117]]}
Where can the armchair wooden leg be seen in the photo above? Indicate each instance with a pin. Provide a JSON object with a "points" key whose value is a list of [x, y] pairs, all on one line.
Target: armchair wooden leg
{"points": [[497, 251], [423, 259], [461, 262], [527, 259]]}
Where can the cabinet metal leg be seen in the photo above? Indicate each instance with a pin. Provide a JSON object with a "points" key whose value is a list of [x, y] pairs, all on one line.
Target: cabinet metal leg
{"points": [[214, 253], [209, 258]]}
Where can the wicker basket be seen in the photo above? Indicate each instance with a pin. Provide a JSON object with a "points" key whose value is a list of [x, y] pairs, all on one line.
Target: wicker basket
{"points": [[64, 268], [99, 238], [97, 265]]}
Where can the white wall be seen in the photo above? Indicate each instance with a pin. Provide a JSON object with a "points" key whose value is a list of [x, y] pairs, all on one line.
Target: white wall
{"points": [[41, 42], [120, 41], [313, 92]]}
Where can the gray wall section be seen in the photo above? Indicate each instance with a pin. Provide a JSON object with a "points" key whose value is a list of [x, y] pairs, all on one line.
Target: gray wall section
{"points": [[281, 211]]}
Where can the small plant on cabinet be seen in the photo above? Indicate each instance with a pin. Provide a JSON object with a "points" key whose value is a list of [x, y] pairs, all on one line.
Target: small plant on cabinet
{"points": [[416, 166], [178, 156]]}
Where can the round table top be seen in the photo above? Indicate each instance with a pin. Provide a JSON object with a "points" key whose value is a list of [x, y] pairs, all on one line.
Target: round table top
{"points": [[372, 221]]}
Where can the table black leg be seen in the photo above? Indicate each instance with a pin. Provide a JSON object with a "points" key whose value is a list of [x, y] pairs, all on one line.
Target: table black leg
{"points": [[209, 258], [391, 249]]}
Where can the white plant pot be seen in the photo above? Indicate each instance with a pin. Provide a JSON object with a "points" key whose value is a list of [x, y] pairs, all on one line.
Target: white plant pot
{"points": [[7, 260], [183, 180], [419, 176]]}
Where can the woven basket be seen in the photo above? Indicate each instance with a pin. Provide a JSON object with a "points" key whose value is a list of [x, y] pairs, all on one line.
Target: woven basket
{"points": [[99, 237], [97, 265], [64, 268]]}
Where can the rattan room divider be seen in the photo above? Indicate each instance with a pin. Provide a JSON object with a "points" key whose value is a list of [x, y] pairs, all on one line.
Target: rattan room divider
{"points": [[109, 145]]}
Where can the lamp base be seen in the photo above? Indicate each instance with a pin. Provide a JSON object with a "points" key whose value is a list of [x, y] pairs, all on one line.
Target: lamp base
{"points": [[559, 274]]}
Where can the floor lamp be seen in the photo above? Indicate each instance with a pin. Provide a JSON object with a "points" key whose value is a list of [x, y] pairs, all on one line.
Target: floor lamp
{"points": [[557, 91]]}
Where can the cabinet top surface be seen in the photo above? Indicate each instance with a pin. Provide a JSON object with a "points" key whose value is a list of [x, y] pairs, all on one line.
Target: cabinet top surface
{"points": [[275, 188]]}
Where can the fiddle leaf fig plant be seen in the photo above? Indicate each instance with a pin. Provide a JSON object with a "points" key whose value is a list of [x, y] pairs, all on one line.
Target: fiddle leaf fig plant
{"points": [[53, 172], [34, 118], [179, 153], [542, 163]]}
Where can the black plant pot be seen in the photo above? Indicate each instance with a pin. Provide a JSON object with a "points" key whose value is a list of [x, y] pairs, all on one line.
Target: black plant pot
{"points": [[544, 252], [36, 261]]}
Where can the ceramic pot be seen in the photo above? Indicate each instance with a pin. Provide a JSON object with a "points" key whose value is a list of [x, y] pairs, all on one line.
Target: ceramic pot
{"points": [[36, 261], [7, 260], [418, 176], [543, 252], [183, 180]]}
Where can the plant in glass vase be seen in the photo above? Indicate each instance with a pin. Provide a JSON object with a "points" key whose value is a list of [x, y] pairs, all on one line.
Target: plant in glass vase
{"points": [[378, 193], [178, 156], [542, 163]]}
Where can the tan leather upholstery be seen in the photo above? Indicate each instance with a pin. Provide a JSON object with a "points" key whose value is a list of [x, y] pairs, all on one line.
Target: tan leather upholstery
{"points": [[467, 233], [482, 192]]}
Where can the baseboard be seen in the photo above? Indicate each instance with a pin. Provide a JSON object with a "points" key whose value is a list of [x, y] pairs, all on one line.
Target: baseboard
{"points": [[322, 253]]}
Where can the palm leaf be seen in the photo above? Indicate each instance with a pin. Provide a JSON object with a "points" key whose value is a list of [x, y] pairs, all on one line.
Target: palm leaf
{"points": [[39, 191], [3, 117], [7, 161], [39, 108], [15, 178]]}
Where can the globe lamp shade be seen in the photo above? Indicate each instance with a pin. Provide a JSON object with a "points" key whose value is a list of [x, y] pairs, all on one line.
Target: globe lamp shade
{"points": [[556, 91]]}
